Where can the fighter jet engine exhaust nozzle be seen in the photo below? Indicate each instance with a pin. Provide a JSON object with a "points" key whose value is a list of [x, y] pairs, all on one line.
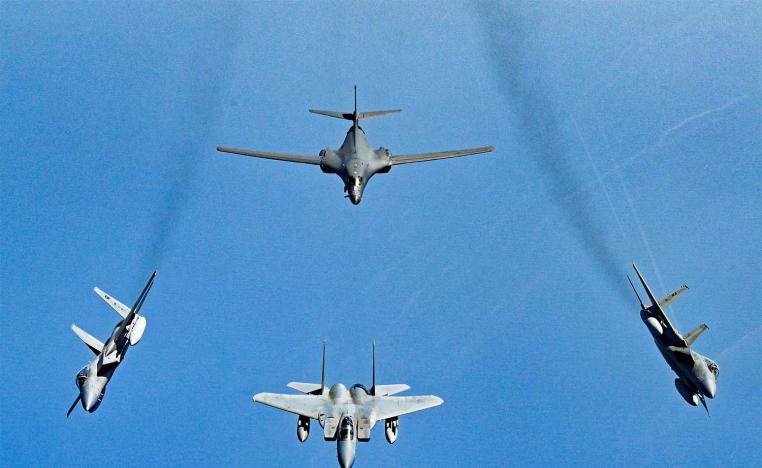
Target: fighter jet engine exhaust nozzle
{"points": [[391, 426], [302, 428], [688, 395]]}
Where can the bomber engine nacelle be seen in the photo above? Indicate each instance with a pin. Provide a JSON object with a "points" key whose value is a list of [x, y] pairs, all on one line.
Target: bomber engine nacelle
{"points": [[302, 428], [688, 395], [137, 329], [330, 162], [654, 325], [391, 426]]}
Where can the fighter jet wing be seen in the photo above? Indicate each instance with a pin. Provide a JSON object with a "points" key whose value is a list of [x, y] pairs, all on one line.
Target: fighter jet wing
{"points": [[414, 158], [311, 406], [389, 407], [267, 155]]}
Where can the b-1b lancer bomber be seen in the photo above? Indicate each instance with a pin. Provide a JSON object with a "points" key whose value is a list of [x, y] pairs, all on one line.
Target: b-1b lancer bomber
{"points": [[355, 162], [93, 378], [347, 416], [696, 374]]}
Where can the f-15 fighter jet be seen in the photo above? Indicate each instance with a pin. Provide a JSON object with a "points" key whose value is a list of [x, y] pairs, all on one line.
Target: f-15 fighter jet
{"points": [[696, 374], [92, 379], [347, 416], [355, 162]]}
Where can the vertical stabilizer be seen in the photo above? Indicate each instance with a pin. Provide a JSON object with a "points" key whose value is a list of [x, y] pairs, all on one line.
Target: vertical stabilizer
{"points": [[373, 384], [322, 374], [654, 301]]}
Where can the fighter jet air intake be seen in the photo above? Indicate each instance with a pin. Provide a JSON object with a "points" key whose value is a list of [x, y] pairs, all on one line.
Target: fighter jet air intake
{"points": [[696, 374], [347, 416], [93, 378], [355, 162]]}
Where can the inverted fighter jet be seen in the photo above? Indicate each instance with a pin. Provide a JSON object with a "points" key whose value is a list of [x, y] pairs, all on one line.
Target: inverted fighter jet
{"points": [[355, 162], [347, 416], [92, 379], [696, 374]]}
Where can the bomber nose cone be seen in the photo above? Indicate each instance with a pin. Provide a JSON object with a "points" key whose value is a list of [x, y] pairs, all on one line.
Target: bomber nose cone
{"points": [[355, 196], [89, 401]]}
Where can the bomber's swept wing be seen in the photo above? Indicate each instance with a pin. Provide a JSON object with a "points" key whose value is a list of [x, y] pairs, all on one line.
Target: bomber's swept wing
{"points": [[268, 155], [311, 406], [390, 407], [414, 158]]}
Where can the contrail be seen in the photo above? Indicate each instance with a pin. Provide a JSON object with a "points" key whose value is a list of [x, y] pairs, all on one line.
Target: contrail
{"points": [[700, 115], [209, 71], [542, 133]]}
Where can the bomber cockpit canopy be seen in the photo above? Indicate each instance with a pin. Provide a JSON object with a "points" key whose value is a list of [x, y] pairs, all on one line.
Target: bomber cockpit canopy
{"points": [[713, 367], [347, 429]]}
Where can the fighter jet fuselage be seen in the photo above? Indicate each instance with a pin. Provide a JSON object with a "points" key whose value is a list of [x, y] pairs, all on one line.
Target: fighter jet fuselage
{"points": [[696, 374]]}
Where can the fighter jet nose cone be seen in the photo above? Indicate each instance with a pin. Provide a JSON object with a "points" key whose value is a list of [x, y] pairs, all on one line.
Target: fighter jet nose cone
{"points": [[89, 401], [710, 388]]}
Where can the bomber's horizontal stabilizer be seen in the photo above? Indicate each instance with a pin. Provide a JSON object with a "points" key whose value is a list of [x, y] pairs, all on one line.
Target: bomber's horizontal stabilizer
{"points": [[92, 342], [120, 308], [692, 336]]}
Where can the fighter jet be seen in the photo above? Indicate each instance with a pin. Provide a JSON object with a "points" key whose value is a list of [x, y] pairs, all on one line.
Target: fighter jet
{"points": [[355, 162], [92, 379], [347, 416], [696, 374]]}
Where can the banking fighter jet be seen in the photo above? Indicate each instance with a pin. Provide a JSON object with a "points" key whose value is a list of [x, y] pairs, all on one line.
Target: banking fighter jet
{"points": [[355, 162], [347, 416], [92, 379], [696, 374]]}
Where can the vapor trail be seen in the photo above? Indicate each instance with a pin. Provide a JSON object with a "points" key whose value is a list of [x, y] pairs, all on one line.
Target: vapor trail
{"points": [[522, 87], [700, 115]]}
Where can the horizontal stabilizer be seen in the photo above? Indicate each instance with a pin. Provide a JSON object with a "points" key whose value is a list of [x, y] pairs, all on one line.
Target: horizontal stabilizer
{"points": [[351, 116], [308, 388], [388, 390], [692, 336], [120, 308], [93, 343], [667, 300]]}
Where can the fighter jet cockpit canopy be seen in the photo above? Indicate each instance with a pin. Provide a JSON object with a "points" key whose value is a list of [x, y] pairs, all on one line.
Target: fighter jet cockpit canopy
{"points": [[713, 367], [81, 377], [347, 430]]}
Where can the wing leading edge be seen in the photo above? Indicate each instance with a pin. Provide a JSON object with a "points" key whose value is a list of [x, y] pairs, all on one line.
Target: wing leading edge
{"points": [[390, 407], [422, 157], [311, 406], [297, 158]]}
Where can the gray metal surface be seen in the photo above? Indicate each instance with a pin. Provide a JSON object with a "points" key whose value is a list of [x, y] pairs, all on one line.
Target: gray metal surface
{"points": [[355, 162], [347, 415], [92, 379], [696, 374]]}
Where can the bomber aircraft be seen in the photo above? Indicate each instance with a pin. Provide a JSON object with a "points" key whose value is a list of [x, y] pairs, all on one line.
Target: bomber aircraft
{"points": [[347, 416], [696, 374], [92, 379], [355, 162]]}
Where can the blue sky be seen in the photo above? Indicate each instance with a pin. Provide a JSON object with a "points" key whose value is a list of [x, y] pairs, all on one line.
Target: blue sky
{"points": [[628, 131]]}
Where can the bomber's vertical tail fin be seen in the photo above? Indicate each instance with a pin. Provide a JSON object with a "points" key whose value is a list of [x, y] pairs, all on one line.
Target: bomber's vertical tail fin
{"points": [[356, 115]]}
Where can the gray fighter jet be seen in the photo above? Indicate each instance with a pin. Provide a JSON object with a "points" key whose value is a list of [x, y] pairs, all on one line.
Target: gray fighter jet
{"points": [[355, 162], [696, 374], [347, 416], [92, 379]]}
